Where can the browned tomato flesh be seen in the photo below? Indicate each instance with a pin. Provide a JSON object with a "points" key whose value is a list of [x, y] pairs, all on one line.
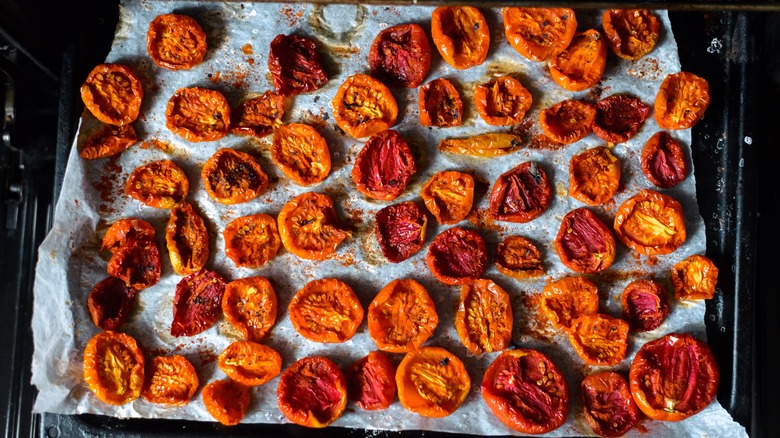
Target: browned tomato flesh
{"points": [[125, 230], [439, 104], [232, 177], [449, 196], [187, 239], [371, 381], [400, 56], [251, 241], [227, 401], [198, 114], [295, 65], [521, 194], [301, 153], [197, 303], [312, 392], [568, 298], [650, 223], [400, 230], [160, 184], [109, 303], [502, 101], [457, 256], [519, 258], [258, 116], [175, 41], [607, 404], [484, 317], [594, 176], [694, 278], [110, 140], [663, 161], [630, 33], [309, 227], [584, 243], [568, 121], [645, 305], [384, 166], [113, 94], [619, 117], [137, 263]]}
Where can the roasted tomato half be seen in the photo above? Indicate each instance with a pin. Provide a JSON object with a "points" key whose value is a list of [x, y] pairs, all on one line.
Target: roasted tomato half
{"points": [[599, 339], [121, 232], [402, 316], [160, 184], [432, 382], [526, 391], [197, 303], [400, 230], [114, 367], [630, 33], [457, 256], [607, 404], [170, 380], [249, 304], [232, 177], [449, 196], [198, 114], [110, 140], [645, 305], [295, 65], [309, 227], [109, 303], [663, 161], [584, 243], [113, 94], [326, 310], [681, 101], [250, 363], [495, 144], [312, 392], [568, 121], [176, 42], [674, 377], [258, 116], [594, 176], [519, 258], [461, 35], [137, 263], [364, 106], [187, 239], [619, 117], [439, 104], [521, 194], [502, 101], [227, 401], [484, 317], [567, 299], [251, 241], [694, 278], [371, 381], [301, 153], [650, 223], [581, 65], [539, 33], [400, 56], [384, 166]]}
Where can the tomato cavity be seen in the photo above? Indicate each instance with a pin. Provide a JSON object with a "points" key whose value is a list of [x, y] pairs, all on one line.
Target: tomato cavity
{"points": [[524, 192], [527, 385], [197, 303], [583, 239], [646, 311], [460, 258], [311, 391]]}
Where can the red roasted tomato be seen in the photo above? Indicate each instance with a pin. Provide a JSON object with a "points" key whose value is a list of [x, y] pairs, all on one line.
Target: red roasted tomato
{"points": [[371, 381], [584, 244], [400, 230], [384, 166], [400, 56], [295, 65], [137, 263], [312, 392], [125, 230], [439, 104], [521, 194], [227, 401], [197, 304], [619, 117], [645, 305], [457, 256], [663, 161], [607, 404], [109, 303]]}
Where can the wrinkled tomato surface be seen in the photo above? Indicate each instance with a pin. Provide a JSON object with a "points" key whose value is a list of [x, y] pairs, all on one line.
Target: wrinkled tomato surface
{"points": [[440, 104], [258, 116], [364, 106], [645, 305], [251, 241], [109, 303], [384, 166], [402, 316], [312, 392], [483, 145], [249, 304], [457, 256], [227, 401], [125, 230], [539, 33], [594, 176], [584, 243], [581, 65], [371, 381], [160, 184], [170, 380], [521, 194], [681, 100], [607, 404], [449, 196], [484, 317], [432, 382], [197, 303], [175, 41], [326, 310], [110, 140], [301, 153], [619, 117], [630, 33], [295, 65], [695, 278], [113, 94], [400, 56], [400, 230], [461, 35], [650, 223], [599, 339], [232, 177], [250, 363], [137, 263], [568, 121], [309, 227], [114, 367], [502, 101], [187, 239], [198, 114], [518, 257], [567, 299], [663, 161]]}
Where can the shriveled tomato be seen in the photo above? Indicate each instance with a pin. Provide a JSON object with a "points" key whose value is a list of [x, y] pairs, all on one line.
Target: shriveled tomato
{"points": [[137, 263], [567, 299], [326, 310], [109, 303], [371, 381], [584, 243], [176, 42], [449, 196], [402, 316], [519, 258], [170, 380], [483, 145], [232, 177], [114, 367], [198, 114], [599, 339], [400, 56], [484, 317], [160, 184], [110, 140], [568, 121], [694, 278], [301, 153], [630, 33], [521, 194], [384, 166], [439, 104], [187, 239], [607, 404], [663, 161], [674, 377], [312, 392], [645, 305], [249, 304], [581, 65], [364, 106], [594, 176], [258, 116], [681, 100], [650, 223], [461, 35], [125, 230], [309, 227], [250, 363], [502, 101], [251, 241], [619, 117], [113, 94], [400, 230], [526, 391], [227, 401], [457, 256], [197, 303], [432, 382], [295, 65], [539, 33]]}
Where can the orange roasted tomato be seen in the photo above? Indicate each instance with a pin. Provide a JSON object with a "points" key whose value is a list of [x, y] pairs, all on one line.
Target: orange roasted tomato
{"points": [[581, 65], [539, 33], [170, 380], [295, 65], [439, 104], [250, 363], [694, 278], [568, 121], [599, 339], [114, 367], [227, 401], [121, 232], [619, 117], [402, 316], [584, 243], [526, 391], [137, 263], [645, 305], [160, 184], [681, 101], [663, 161], [594, 176], [400, 56], [384, 166], [400, 230], [109, 141], [607, 404], [567, 299], [457, 256], [650, 223], [364, 106], [432, 382], [187, 239], [113, 94], [109, 303], [449, 196], [301, 153], [309, 227], [176, 42], [312, 392], [249, 305], [484, 317], [521, 194], [371, 381], [197, 303], [502, 101], [258, 116], [251, 241], [674, 377], [630, 33], [518, 257], [326, 310], [198, 114], [232, 177], [495, 144], [461, 35]]}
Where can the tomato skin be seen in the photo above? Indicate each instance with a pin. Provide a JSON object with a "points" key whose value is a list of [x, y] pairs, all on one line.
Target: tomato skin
{"points": [[518, 257], [159, 184], [599, 339], [461, 35], [125, 230], [400, 56], [494, 144], [402, 316], [198, 114], [581, 65], [176, 42], [114, 367], [584, 243], [400, 230], [309, 227], [539, 33], [457, 256], [109, 303], [594, 176], [113, 94], [326, 310], [251, 241], [607, 404], [449, 196], [227, 401], [484, 317], [663, 161], [630, 33], [110, 140], [645, 305], [694, 278], [364, 106], [371, 381], [650, 223], [502, 101], [681, 101], [521, 195], [258, 116], [568, 298], [170, 380], [384, 166], [250, 305], [295, 65], [301, 153], [233, 177], [432, 382], [312, 392], [250, 363], [137, 263], [196, 304], [619, 117], [439, 104], [568, 121], [187, 240]]}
